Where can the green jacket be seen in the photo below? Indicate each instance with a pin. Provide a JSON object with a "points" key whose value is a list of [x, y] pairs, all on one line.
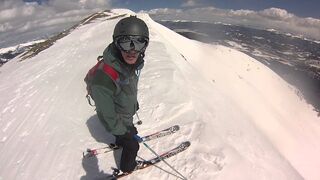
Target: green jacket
{"points": [[116, 106]]}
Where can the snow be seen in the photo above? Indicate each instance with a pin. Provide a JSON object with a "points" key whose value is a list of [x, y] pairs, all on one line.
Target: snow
{"points": [[243, 120]]}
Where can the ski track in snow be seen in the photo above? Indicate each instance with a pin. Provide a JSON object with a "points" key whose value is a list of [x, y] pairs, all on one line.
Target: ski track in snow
{"points": [[46, 122]]}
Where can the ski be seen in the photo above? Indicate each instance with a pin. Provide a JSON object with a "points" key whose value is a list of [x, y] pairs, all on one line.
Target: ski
{"points": [[182, 147], [162, 133], [165, 132]]}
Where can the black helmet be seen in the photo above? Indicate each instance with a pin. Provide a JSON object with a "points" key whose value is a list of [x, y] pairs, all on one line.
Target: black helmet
{"points": [[131, 26], [131, 33]]}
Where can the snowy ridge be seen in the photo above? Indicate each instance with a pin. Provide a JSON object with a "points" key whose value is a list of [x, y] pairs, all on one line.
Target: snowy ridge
{"points": [[243, 121]]}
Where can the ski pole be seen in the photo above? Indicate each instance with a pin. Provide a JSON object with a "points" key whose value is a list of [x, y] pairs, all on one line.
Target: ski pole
{"points": [[139, 122], [161, 168], [139, 139]]}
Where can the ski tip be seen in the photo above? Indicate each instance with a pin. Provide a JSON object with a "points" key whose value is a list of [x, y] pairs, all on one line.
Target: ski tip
{"points": [[186, 143], [175, 128]]}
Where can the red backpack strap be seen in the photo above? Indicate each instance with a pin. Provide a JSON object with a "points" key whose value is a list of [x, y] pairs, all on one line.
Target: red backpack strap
{"points": [[113, 74], [109, 70]]}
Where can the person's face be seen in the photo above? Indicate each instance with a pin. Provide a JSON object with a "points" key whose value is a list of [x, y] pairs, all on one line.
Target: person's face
{"points": [[130, 57]]}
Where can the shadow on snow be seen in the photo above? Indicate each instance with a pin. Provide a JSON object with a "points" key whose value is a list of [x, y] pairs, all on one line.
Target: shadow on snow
{"points": [[90, 165]]}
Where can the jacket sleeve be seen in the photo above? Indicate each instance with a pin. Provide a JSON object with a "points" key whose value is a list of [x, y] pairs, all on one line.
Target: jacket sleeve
{"points": [[104, 100]]}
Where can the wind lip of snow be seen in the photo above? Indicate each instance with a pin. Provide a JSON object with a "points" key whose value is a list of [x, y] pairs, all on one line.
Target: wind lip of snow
{"points": [[123, 11]]}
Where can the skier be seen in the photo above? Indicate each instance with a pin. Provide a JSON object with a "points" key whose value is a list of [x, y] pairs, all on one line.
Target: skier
{"points": [[116, 101]]}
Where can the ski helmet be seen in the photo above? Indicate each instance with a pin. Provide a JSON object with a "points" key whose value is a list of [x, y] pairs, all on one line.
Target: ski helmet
{"points": [[131, 26]]}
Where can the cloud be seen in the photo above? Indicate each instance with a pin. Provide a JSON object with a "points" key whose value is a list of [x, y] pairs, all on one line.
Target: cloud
{"points": [[276, 13], [20, 21], [191, 3], [274, 18]]}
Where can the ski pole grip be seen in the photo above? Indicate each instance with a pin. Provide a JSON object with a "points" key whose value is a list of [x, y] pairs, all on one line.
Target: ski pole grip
{"points": [[138, 122], [137, 138]]}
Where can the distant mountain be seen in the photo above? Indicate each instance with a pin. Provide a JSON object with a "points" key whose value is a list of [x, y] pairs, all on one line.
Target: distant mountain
{"points": [[6, 54], [31, 49]]}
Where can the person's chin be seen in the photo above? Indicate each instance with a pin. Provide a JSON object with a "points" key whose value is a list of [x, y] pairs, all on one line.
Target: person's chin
{"points": [[131, 60]]}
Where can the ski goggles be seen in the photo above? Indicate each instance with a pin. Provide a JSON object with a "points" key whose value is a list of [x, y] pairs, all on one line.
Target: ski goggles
{"points": [[136, 43]]}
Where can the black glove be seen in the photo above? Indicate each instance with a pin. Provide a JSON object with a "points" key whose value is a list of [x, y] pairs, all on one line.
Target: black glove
{"points": [[127, 136]]}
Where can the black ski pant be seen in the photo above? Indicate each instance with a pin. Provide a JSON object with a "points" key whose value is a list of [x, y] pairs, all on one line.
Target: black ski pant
{"points": [[130, 148]]}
